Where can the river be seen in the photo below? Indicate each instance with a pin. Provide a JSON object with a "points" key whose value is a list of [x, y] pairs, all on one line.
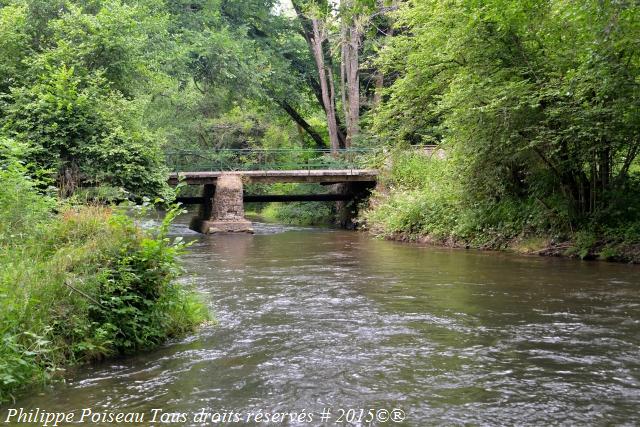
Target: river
{"points": [[313, 318]]}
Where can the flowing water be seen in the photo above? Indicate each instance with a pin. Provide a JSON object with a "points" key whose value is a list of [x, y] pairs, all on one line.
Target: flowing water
{"points": [[312, 318]]}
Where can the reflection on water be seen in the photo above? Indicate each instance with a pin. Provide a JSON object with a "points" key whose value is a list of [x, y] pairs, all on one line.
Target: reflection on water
{"points": [[312, 318]]}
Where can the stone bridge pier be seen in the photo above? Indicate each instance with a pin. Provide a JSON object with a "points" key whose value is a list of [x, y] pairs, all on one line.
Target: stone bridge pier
{"points": [[222, 210]]}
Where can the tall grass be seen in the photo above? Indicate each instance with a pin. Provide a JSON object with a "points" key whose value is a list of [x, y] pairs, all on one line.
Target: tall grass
{"points": [[425, 197], [420, 197], [79, 284]]}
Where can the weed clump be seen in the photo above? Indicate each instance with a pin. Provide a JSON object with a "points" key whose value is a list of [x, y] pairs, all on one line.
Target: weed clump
{"points": [[80, 283]]}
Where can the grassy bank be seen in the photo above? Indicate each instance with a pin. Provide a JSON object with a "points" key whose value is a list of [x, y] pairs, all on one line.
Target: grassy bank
{"points": [[295, 213], [424, 199], [80, 283]]}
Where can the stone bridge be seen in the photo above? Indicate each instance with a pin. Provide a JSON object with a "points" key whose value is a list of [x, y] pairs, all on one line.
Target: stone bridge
{"points": [[222, 202]]}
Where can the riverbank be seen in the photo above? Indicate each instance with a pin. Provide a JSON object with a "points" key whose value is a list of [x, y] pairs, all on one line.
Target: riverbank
{"points": [[294, 213], [534, 246], [423, 199], [80, 284]]}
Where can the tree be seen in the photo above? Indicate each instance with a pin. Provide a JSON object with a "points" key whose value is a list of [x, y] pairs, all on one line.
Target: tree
{"points": [[326, 80], [352, 28], [75, 89], [536, 99], [14, 44], [84, 134], [320, 11]]}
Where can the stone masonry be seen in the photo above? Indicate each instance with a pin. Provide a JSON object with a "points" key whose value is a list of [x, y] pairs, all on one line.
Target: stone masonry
{"points": [[227, 209]]}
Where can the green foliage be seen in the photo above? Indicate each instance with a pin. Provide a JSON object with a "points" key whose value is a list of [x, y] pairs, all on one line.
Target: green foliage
{"points": [[14, 44], [233, 63], [583, 245], [80, 285], [22, 208], [84, 133], [535, 104], [299, 213], [534, 98], [118, 40], [73, 82], [423, 196], [137, 295], [103, 194]]}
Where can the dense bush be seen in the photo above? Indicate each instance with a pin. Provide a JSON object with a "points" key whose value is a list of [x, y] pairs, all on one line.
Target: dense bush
{"points": [[22, 207], [533, 100], [421, 197], [72, 79], [84, 134], [80, 285], [425, 197]]}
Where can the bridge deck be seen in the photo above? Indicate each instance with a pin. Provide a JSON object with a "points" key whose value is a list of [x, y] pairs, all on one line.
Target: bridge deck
{"points": [[274, 176]]}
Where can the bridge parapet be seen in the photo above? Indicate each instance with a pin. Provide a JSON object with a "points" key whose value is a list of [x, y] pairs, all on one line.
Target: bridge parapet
{"points": [[274, 176], [228, 160]]}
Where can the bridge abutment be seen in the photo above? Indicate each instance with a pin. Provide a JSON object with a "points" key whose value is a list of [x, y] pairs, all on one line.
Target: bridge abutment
{"points": [[347, 210], [223, 208]]}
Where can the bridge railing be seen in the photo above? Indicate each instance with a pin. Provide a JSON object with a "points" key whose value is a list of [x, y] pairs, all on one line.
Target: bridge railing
{"points": [[271, 159]]}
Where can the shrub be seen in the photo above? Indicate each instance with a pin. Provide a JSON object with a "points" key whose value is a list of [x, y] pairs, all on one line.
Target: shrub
{"points": [[80, 285], [22, 207], [84, 133], [425, 196], [421, 198]]}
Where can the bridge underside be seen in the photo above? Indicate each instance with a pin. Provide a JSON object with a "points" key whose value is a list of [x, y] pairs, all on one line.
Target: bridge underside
{"points": [[221, 205]]}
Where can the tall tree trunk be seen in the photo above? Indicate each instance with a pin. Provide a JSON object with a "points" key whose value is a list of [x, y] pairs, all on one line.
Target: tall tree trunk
{"points": [[308, 33], [349, 69], [328, 98], [332, 96], [353, 81], [343, 70]]}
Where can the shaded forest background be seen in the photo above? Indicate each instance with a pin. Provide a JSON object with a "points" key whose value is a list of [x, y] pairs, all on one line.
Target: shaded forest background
{"points": [[536, 103]]}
